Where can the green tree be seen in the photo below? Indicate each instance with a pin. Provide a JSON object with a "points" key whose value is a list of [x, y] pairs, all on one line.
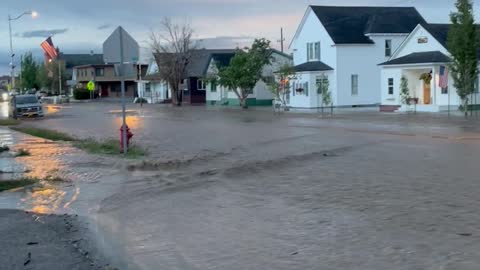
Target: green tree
{"points": [[280, 85], [43, 80], [29, 72], [246, 69], [463, 44], [48, 79], [404, 90], [323, 88]]}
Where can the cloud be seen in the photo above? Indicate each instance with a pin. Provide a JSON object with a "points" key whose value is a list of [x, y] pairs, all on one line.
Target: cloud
{"points": [[224, 42], [43, 33], [104, 26]]}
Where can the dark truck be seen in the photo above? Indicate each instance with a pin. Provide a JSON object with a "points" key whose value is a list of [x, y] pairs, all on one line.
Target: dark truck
{"points": [[25, 106]]}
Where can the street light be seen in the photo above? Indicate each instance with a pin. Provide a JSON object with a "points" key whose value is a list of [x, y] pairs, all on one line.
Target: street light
{"points": [[32, 13]]}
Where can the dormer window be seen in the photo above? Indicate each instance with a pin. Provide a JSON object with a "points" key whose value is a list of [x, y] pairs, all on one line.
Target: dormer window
{"points": [[313, 51]]}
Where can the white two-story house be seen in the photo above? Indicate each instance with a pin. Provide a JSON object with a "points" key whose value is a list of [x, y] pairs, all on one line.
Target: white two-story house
{"points": [[345, 45]]}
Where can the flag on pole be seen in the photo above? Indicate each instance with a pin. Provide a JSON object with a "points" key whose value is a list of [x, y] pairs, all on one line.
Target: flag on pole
{"points": [[443, 82], [50, 51]]}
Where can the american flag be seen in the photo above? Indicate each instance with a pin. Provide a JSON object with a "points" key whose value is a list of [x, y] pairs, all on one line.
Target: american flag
{"points": [[50, 51], [443, 82]]}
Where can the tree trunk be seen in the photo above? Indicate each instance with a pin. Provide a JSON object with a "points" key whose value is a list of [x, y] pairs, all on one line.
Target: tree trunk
{"points": [[176, 97], [243, 103]]}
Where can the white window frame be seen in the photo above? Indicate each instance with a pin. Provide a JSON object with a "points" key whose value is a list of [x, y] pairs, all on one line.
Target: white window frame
{"points": [[388, 48], [201, 85], [354, 84], [314, 51], [391, 86], [213, 86]]}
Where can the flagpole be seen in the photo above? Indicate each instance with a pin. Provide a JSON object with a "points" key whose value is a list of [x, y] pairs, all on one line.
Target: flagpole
{"points": [[59, 79]]}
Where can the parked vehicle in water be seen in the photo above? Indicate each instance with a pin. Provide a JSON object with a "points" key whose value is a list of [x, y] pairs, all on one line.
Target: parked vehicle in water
{"points": [[25, 106]]}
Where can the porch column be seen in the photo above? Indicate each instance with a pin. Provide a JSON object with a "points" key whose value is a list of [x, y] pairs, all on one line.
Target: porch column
{"points": [[434, 82]]}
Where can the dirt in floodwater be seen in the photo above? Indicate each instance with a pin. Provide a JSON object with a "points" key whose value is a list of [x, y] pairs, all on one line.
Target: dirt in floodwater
{"points": [[45, 223]]}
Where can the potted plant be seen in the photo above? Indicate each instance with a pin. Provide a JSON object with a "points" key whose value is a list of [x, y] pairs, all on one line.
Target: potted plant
{"points": [[426, 77]]}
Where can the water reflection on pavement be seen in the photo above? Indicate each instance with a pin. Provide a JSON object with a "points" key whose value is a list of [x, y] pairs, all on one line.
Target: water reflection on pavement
{"points": [[61, 169]]}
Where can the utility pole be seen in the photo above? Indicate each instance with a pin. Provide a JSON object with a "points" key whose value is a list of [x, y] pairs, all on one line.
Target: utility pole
{"points": [[34, 14], [12, 55], [59, 79], [122, 85], [282, 39]]}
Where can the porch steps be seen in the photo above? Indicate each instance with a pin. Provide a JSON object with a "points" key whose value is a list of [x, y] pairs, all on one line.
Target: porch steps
{"points": [[389, 108]]}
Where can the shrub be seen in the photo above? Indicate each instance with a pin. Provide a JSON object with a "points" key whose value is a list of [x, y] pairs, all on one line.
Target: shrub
{"points": [[140, 100], [81, 94]]}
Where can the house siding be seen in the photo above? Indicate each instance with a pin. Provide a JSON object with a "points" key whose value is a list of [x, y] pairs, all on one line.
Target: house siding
{"points": [[363, 61], [313, 31], [411, 45]]}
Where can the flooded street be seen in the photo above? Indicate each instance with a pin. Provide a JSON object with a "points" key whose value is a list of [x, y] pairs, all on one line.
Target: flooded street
{"points": [[232, 189]]}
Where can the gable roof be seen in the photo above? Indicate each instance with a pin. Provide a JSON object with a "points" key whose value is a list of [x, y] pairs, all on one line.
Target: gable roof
{"points": [[200, 59], [349, 25], [419, 58], [312, 66], [440, 33]]}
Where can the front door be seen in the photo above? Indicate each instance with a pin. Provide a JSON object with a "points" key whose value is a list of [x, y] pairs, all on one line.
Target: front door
{"points": [[426, 93]]}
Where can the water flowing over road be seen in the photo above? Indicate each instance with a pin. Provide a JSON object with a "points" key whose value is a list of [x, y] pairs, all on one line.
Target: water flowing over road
{"points": [[229, 189]]}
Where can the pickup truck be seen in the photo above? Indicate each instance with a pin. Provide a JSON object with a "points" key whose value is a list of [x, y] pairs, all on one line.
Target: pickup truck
{"points": [[25, 106]]}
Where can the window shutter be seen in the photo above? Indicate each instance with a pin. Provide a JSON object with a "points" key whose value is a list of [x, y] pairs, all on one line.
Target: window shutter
{"points": [[294, 86], [305, 87]]}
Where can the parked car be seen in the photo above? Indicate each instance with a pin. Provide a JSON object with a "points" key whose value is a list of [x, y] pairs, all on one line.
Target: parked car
{"points": [[25, 106]]}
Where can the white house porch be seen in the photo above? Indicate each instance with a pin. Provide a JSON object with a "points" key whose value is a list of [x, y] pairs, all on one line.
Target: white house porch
{"points": [[422, 71]]}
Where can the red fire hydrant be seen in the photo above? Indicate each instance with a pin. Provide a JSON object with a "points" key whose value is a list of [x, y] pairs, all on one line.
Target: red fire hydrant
{"points": [[129, 136]]}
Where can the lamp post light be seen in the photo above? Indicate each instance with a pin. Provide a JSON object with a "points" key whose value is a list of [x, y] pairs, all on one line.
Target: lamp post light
{"points": [[32, 13]]}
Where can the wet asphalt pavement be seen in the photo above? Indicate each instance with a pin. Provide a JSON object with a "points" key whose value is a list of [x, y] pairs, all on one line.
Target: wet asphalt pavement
{"points": [[229, 189]]}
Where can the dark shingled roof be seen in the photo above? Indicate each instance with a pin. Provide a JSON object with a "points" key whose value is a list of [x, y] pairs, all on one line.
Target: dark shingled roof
{"points": [[348, 25], [440, 33], [312, 66], [200, 59], [419, 58]]}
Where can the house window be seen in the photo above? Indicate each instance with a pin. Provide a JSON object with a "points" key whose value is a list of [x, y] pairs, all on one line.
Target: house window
{"points": [[388, 47], [313, 51], [213, 86], [91, 72], [305, 88], [294, 87], [99, 72], [445, 90], [390, 86], [201, 85], [319, 81], [147, 88], [422, 40], [354, 84]]}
